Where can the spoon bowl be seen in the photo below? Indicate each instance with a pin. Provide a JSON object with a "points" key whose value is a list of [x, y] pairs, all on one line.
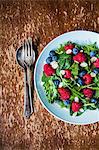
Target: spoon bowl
{"points": [[19, 57]]}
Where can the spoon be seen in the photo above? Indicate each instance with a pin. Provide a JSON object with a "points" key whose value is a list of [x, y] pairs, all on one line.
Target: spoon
{"points": [[28, 105]]}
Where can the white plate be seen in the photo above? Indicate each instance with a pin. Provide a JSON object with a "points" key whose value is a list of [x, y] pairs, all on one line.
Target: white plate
{"points": [[90, 116]]}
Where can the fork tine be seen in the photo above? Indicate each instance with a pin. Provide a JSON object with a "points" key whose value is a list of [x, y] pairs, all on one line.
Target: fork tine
{"points": [[24, 53], [32, 51], [28, 47], [25, 49], [30, 41]]}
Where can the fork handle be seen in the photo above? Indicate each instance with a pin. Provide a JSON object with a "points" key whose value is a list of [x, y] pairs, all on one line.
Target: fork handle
{"points": [[29, 80], [27, 103]]}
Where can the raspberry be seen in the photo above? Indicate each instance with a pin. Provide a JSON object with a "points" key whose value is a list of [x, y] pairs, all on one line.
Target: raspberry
{"points": [[80, 57], [69, 46], [96, 63], [67, 74], [88, 92], [87, 78], [64, 93], [48, 70], [76, 106]]}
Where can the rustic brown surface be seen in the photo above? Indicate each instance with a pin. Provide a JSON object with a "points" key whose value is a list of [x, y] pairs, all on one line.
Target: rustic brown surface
{"points": [[45, 19]]}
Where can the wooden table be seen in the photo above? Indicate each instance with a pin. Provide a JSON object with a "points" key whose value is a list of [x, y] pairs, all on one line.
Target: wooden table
{"points": [[44, 19]]}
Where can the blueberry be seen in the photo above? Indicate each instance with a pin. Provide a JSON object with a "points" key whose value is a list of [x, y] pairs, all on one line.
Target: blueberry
{"points": [[54, 58], [80, 81], [82, 73], [93, 100], [56, 82], [67, 102], [52, 53], [92, 53], [96, 71], [49, 60], [75, 51]]}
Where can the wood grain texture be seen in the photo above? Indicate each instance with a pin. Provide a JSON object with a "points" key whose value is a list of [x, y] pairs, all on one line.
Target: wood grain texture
{"points": [[44, 19]]}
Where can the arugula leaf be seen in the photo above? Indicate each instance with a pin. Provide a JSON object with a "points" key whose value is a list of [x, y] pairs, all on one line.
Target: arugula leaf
{"points": [[78, 46], [62, 104], [64, 55], [58, 71], [97, 93], [65, 81], [96, 80], [97, 55], [97, 105], [87, 68], [91, 108], [90, 104], [74, 68], [61, 63], [51, 91], [64, 61], [45, 78], [71, 112], [69, 42], [79, 113], [67, 64], [85, 86], [72, 98], [90, 47], [60, 50], [85, 108]]}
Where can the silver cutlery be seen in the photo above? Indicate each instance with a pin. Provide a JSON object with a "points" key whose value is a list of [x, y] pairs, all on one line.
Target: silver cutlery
{"points": [[29, 58], [26, 56]]}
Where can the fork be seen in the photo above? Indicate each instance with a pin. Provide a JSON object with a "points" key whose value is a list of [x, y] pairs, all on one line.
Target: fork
{"points": [[29, 58]]}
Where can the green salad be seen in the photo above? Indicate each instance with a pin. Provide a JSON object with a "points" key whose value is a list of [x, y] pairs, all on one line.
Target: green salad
{"points": [[71, 77]]}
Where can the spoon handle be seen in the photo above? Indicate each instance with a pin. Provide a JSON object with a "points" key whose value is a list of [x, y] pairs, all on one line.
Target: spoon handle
{"points": [[27, 103]]}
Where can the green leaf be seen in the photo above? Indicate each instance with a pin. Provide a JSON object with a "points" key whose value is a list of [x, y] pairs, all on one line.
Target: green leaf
{"points": [[87, 68], [90, 104], [64, 61], [67, 64], [60, 50], [97, 105], [57, 71], [78, 94], [90, 47], [50, 89], [85, 108], [71, 112], [97, 94], [77, 45], [91, 108], [74, 68], [64, 55], [79, 113], [61, 63], [72, 98], [45, 78], [55, 77], [96, 80], [85, 86], [97, 55], [62, 104]]}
